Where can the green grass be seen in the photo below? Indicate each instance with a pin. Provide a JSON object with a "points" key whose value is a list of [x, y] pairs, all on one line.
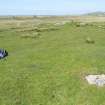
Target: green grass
{"points": [[50, 69]]}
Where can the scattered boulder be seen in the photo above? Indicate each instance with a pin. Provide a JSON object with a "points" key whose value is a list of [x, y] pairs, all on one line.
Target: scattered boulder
{"points": [[3, 53], [100, 26], [98, 80], [81, 24], [34, 35], [90, 41]]}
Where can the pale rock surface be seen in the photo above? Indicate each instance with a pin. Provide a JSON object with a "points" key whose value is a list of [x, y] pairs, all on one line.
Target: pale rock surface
{"points": [[98, 80]]}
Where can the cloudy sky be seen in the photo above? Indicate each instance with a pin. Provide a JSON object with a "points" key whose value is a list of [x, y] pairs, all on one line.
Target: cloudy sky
{"points": [[50, 7]]}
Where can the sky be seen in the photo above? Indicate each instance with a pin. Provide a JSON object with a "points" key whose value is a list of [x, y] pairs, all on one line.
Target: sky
{"points": [[50, 7]]}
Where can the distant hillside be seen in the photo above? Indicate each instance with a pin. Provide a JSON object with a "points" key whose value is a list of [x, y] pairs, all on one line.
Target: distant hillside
{"points": [[95, 14]]}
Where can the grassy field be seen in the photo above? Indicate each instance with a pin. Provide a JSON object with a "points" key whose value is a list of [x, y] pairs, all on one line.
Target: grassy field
{"points": [[48, 62]]}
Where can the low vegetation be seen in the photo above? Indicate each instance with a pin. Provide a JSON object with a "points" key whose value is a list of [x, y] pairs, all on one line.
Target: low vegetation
{"points": [[47, 63]]}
